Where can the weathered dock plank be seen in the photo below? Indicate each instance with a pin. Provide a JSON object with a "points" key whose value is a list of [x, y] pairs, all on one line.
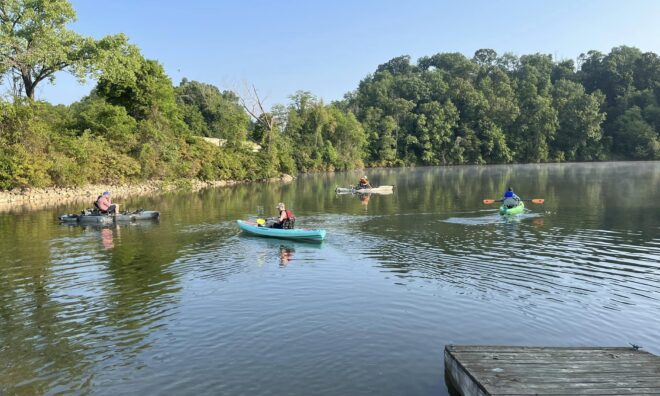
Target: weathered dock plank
{"points": [[508, 370]]}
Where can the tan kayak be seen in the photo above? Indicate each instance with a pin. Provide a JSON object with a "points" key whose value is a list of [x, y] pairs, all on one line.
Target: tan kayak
{"points": [[375, 190]]}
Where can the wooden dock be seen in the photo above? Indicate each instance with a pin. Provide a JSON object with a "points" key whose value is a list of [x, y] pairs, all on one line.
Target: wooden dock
{"points": [[511, 370]]}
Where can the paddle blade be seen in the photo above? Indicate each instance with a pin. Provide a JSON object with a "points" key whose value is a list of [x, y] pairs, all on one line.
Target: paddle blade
{"points": [[538, 200], [261, 221], [489, 201]]}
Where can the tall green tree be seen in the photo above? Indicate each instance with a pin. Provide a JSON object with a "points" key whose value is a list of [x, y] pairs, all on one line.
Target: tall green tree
{"points": [[210, 112], [579, 130], [323, 137], [35, 44], [634, 137], [146, 92], [101, 119]]}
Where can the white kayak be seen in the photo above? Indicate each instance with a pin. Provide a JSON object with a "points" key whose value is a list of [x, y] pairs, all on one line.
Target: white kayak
{"points": [[374, 190]]}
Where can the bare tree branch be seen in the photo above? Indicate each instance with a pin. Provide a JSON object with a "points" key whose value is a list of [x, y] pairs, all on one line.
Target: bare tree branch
{"points": [[254, 105], [256, 109]]}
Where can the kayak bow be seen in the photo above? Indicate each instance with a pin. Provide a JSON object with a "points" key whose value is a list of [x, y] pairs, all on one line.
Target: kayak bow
{"points": [[504, 211]]}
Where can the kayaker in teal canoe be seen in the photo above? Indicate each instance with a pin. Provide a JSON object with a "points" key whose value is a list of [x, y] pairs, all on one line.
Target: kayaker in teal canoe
{"points": [[286, 221], [510, 199]]}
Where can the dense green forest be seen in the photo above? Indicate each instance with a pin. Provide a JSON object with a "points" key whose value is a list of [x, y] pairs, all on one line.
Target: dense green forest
{"points": [[448, 109], [444, 109]]}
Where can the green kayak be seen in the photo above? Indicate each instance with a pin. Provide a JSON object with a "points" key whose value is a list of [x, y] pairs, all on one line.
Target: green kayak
{"points": [[504, 211]]}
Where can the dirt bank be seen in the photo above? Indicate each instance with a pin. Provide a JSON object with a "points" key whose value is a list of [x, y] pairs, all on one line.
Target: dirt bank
{"points": [[37, 198]]}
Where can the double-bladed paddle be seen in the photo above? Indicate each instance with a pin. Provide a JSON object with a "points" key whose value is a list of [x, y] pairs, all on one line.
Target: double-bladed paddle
{"points": [[535, 200]]}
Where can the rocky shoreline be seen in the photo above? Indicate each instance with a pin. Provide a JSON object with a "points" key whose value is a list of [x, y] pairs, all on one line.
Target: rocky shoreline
{"points": [[38, 198]]}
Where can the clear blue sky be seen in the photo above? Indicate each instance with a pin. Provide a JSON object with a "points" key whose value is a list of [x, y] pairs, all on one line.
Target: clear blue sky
{"points": [[328, 47]]}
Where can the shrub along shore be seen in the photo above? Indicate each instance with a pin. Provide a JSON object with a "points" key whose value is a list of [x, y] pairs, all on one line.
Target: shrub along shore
{"points": [[39, 198]]}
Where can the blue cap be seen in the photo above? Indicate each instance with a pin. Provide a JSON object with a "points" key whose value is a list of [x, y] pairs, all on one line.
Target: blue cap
{"points": [[106, 193]]}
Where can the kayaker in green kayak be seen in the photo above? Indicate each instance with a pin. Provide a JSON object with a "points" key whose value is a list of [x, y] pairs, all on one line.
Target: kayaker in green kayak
{"points": [[364, 183], [286, 220], [510, 199]]}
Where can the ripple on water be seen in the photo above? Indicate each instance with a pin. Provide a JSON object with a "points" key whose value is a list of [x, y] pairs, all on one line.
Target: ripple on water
{"points": [[194, 306], [492, 218], [88, 309], [589, 263]]}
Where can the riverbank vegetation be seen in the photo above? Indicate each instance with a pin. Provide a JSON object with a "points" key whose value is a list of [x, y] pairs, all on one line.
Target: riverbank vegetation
{"points": [[444, 109]]}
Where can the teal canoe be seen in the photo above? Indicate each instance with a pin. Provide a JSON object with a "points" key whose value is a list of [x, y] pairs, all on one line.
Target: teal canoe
{"points": [[504, 211], [299, 234]]}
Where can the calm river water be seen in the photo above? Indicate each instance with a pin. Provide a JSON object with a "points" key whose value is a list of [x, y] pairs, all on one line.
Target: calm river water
{"points": [[191, 306]]}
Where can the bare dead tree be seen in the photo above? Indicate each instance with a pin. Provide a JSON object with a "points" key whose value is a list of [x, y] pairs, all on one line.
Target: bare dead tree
{"points": [[254, 105]]}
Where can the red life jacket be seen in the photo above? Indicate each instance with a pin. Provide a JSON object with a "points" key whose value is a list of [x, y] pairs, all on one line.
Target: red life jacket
{"points": [[290, 220]]}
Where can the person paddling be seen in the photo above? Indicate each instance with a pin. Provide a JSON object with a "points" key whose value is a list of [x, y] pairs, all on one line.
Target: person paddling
{"points": [[364, 183], [105, 205], [510, 199], [286, 220]]}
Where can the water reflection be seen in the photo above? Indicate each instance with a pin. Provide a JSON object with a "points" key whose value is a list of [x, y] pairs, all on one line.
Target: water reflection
{"points": [[364, 199], [284, 252], [75, 298], [492, 218], [569, 247], [107, 237], [516, 253], [115, 310]]}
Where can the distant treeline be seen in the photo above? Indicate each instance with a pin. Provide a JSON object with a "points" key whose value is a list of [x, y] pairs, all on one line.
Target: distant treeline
{"points": [[448, 109], [445, 109]]}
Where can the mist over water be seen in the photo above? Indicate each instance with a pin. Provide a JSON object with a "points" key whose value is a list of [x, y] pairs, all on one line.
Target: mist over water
{"points": [[189, 305]]}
